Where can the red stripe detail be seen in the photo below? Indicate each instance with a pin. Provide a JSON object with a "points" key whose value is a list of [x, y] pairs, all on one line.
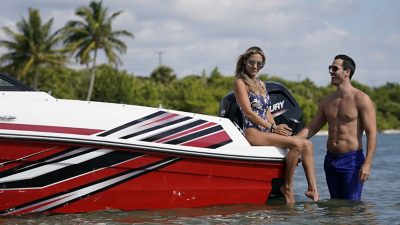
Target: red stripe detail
{"points": [[167, 117], [209, 140], [50, 129], [284, 110], [186, 132]]}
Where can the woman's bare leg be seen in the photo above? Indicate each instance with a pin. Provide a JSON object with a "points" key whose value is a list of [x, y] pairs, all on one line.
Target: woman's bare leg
{"points": [[309, 169], [291, 163], [295, 145]]}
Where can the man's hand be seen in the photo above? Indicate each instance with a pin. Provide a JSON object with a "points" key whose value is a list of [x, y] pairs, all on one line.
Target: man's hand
{"points": [[363, 175]]}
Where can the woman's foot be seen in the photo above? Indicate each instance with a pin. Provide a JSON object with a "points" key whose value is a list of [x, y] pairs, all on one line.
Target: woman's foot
{"points": [[312, 194], [287, 193]]}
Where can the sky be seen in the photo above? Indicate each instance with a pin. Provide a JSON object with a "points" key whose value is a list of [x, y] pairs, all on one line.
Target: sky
{"points": [[299, 37]]}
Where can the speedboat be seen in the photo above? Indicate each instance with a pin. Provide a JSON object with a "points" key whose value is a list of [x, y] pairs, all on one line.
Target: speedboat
{"points": [[68, 156]]}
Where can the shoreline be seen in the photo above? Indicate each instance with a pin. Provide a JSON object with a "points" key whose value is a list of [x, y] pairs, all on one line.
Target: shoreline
{"points": [[325, 132], [389, 132]]}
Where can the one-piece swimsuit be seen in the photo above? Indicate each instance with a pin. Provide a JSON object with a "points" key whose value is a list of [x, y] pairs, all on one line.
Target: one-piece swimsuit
{"points": [[259, 105]]}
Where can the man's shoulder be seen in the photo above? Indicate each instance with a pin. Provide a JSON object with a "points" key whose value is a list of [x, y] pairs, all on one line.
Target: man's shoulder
{"points": [[361, 96], [362, 100], [328, 98]]}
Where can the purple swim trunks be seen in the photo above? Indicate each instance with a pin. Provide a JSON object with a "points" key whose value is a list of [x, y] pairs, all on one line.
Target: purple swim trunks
{"points": [[341, 171]]}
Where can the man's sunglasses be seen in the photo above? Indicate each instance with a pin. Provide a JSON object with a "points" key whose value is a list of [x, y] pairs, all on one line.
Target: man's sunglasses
{"points": [[334, 68], [253, 62]]}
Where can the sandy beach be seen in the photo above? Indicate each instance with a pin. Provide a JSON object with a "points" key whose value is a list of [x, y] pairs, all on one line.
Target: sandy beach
{"points": [[325, 132]]}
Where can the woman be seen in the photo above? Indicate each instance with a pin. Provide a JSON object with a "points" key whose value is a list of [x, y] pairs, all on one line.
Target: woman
{"points": [[259, 125]]}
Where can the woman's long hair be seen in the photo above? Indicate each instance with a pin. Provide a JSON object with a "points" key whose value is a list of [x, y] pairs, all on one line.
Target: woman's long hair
{"points": [[241, 72]]}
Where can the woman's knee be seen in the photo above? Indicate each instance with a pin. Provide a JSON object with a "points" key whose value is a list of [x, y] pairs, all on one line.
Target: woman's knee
{"points": [[298, 145], [308, 144]]}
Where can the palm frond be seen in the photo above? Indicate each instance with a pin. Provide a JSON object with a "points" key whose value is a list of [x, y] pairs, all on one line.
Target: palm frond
{"points": [[86, 51], [76, 24], [117, 44], [27, 65], [115, 15], [122, 32], [46, 30], [8, 31]]}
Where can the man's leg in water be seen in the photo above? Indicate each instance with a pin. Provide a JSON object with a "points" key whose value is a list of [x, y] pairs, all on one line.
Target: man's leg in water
{"points": [[350, 186], [332, 176]]}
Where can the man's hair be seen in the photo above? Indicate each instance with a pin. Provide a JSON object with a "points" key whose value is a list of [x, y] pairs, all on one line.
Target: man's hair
{"points": [[348, 63]]}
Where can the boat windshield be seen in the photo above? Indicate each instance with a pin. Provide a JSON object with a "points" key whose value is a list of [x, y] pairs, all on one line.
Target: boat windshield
{"points": [[4, 83], [8, 83]]}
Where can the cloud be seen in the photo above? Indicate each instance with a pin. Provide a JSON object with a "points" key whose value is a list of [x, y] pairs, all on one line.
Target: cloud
{"points": [[9, 24], [393, 41], [300, 37], [335, 8]]}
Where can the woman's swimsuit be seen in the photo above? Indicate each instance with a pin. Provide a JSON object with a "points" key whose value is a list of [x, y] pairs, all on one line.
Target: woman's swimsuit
{"points": [[259, 105]]}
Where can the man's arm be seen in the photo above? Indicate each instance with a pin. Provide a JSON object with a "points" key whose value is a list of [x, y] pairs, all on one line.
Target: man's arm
{"points": [[368, 119], [316, 123]]}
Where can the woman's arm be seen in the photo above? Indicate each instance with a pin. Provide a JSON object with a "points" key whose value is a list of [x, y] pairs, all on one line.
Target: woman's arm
{"points": [[282, 129]]}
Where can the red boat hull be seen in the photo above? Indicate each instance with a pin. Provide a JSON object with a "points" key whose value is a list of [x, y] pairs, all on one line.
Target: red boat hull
{"points": [[43, 177]]}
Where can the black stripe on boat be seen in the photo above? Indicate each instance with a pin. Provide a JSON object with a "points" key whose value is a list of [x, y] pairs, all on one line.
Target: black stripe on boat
{"points": [[106, 133], [219, 144], [54, 158], [194, 135], [173, 131], [69, 172], [155, 128]]}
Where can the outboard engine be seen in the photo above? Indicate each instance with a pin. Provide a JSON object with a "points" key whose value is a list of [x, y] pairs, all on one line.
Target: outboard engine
{"points": [[283, 106]]}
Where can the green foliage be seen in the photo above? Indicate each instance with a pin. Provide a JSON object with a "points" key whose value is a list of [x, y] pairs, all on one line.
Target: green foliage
{"points": [[63, 83], [189, 94], [308, 108], [367, 90], [111, 86], [263, 77], [163, 75], [215, 74], [145, 92], [387, 121], [32, 46]]}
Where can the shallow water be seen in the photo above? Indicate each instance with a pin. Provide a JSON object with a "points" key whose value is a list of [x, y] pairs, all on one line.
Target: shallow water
{"points": [[380, 202]]}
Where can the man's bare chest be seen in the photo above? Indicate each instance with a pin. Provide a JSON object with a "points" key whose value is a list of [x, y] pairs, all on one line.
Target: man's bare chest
{"points": [[342, 109]]}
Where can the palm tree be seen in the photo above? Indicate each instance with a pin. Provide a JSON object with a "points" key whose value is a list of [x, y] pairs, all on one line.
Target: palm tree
{"points": [[33, 45], [93, 34]]}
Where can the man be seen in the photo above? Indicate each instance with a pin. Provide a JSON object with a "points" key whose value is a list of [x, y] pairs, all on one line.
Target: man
{"points": [[349, 112]]}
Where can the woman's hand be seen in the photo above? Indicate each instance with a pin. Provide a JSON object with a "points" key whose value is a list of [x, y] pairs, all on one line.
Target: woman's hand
{"points": [[283, 129]]}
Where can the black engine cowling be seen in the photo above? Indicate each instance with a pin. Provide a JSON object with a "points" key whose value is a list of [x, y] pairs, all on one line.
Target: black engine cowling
{"points": [[283, 106]]}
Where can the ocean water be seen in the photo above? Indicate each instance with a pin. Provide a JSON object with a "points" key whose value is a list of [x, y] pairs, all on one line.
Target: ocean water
{"points": [[380, 202]]}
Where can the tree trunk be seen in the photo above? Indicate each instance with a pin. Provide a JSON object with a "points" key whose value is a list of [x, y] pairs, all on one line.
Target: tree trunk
{"points": [[35, 77], [87, 67], [92, 77]]}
